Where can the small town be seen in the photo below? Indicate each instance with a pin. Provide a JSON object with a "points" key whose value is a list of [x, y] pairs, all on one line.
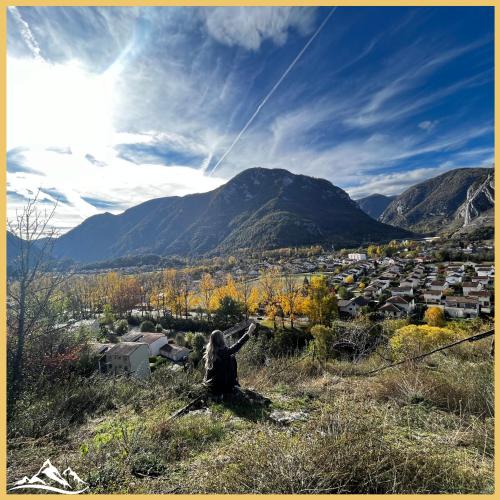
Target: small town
{"points": [[363, 282]]}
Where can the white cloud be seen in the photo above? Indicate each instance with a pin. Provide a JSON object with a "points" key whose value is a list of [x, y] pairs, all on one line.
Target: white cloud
{"points": [[428, 125], [120, 183], [397, 182], [249, 27]]}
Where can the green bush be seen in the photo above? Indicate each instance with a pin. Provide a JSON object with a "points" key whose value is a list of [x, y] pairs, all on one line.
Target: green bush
{"points": [[104, 479], [455, 385], [198, 342], [121, 327], [184, 436], [324, 338], [146, 464], [159, 328], [147, 326], [286, 342]]}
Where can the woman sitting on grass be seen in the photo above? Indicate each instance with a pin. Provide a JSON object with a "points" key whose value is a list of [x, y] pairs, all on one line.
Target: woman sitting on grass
{"points": [[221, 376]]}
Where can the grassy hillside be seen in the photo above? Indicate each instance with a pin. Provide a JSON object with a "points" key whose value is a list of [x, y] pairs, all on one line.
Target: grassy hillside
{"points": [[415, 429]]}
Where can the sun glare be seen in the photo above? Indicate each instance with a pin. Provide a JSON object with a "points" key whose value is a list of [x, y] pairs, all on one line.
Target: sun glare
{"points": [[58, 104]]}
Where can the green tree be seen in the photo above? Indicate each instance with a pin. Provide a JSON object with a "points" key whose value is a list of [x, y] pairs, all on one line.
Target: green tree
{"points": [[198, 346], [121, 327], [323, 339], [199, 342], [229, 311], [108, 318]]}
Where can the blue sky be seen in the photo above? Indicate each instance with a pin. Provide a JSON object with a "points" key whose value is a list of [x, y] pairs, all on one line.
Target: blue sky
{"points": [[109, 107]]}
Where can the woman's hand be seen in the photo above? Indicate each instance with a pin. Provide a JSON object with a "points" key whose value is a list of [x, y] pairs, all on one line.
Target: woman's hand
{"points": [[251, 328]]}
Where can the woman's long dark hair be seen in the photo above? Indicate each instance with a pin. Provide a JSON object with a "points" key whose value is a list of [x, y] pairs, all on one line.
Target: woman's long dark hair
{"points": [[215, 343]]}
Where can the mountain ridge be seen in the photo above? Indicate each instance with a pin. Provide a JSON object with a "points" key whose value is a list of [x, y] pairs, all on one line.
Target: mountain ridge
{"points": [[375, 204], [443, 203], [258, 208]]}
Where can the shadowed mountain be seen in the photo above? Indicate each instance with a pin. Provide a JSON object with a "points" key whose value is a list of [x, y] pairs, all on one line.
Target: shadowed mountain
{"points": [[16, 245], [446, 203], [374, 204], [259, 209]]}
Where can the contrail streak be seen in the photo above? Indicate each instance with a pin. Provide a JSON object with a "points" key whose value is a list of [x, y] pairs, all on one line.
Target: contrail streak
{"points": [[26, 33], [271, 92]]}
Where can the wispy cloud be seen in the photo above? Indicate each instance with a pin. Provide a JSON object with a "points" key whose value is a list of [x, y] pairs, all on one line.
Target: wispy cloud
{"points": [[25, 31], [397, 182], [128, 104], [273, 89], [249, 27], [97, 187]]}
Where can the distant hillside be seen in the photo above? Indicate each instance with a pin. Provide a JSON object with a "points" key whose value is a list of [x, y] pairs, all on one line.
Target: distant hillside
{"points": [[259, 209], [13, 247], [445, 203], [374, 204]]}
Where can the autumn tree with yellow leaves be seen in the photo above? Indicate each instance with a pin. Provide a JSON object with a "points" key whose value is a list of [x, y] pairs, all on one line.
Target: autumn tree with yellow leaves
{"points": [[320, 304], [207, 290], [291, 297], [434, 316], [270, 286]]}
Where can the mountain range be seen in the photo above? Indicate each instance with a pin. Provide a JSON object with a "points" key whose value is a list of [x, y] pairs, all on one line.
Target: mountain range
{"points": [[258, 209], [272, 208], [375, 204], [445, 204]]}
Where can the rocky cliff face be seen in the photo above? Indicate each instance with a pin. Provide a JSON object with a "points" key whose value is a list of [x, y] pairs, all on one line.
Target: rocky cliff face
{"points": [[444, 203], [480, 199]]}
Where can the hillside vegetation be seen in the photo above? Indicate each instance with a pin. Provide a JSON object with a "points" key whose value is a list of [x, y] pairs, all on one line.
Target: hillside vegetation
{"points": [[417, 428]]}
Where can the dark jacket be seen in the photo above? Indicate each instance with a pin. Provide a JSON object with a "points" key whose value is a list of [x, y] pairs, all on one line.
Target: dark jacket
{"points": [[223, 376]]}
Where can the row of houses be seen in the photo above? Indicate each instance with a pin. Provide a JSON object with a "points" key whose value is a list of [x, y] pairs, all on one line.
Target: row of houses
{"points": [[462, 290]]}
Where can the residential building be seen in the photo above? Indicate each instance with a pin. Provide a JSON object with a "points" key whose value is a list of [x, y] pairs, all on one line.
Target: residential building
{"points": [[453, 279], [174, 352], [155, 341], [438, 285], [392, 311], [471, 286], [402, 290], [433, 296], [485, 303], [357, 256], [128, 358], [353, 306], [406, 303], [461, 307]]}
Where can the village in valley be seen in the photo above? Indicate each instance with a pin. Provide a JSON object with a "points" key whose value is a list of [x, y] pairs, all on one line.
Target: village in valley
{"points": [[400, 280]]}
